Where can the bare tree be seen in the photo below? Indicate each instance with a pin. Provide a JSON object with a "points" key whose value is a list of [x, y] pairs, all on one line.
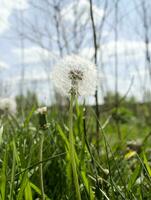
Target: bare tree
{"points": [[116, 67], [95, 60]]}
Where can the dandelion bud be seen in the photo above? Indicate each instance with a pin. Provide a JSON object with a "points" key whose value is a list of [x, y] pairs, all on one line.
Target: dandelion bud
{"points": [[42, 117], [42, 110]]}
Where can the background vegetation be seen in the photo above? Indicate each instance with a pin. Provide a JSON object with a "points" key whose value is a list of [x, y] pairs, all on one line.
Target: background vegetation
{"points": [[120, 169]]}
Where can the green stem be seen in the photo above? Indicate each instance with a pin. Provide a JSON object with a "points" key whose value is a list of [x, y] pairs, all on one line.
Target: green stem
{"points": [[72, 150], [41, 167], [13, 172]]}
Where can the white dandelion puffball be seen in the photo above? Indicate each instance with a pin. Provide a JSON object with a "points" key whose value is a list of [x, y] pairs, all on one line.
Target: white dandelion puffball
{"points": [[8, 105], [75, 75]]}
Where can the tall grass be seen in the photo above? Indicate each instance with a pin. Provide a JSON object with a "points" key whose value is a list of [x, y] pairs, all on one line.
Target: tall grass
{"points": [[62, 162]]}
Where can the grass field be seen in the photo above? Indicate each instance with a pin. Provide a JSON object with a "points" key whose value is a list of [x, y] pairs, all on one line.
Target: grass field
{"points": [[36, 159], [75, 100]]}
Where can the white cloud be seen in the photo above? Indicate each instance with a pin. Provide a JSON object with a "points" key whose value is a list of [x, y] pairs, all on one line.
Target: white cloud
{"points": [[131, 57], [124, 48], [36, 54], [37, 62], [82, 10], [30, 76], [132, 50], [7, 6], [3, 65]]}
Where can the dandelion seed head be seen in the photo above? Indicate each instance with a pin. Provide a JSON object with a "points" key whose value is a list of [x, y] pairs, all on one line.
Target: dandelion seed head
{"points": [[75, 75], [8, 105]]}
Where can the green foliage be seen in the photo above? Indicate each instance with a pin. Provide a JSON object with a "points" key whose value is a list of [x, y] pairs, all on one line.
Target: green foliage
{"points": [[120, 170]]}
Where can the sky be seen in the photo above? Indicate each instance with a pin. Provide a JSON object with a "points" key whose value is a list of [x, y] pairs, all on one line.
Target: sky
{"points": [[36, 21]]}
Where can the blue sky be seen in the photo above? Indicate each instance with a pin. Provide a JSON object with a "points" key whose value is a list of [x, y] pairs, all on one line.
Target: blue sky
{"points": [[40, 57]]}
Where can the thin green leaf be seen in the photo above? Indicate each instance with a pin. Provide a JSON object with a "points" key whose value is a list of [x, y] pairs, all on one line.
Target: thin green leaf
{"points": [[13, 170], [37, 190], [62, 134], [29, 117], [133, 177], [87, 185], [3, 178], [28, 192], [1, 133], [147, 164]]}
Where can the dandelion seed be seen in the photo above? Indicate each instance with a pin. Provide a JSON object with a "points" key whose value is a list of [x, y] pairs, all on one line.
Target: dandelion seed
{"points": [[75, 75], [7, 105]]}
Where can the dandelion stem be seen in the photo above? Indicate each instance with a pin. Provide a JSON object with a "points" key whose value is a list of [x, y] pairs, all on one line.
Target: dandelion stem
{"points": [[13, 172], [72, 150], [41, 167]]}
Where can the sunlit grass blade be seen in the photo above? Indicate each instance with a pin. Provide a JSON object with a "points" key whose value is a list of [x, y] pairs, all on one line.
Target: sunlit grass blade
{"points": [[3, 178], [104, 194], [27, 120], [24, 178], [68, 166], [133, 177], [37, 190], [28, 192], [87, 185], [1, 134], [144, 167], [41, 165], [13, 170], [62, 134], [24, 181], [147, 164]]}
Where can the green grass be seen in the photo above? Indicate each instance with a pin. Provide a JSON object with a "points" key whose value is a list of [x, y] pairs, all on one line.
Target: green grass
{"points": [[32, 159]]}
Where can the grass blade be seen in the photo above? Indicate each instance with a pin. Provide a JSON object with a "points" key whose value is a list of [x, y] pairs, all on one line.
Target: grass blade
{"points": [[147, 164], [13, 170], [133, 177], [28, 192], [3, 178]]}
